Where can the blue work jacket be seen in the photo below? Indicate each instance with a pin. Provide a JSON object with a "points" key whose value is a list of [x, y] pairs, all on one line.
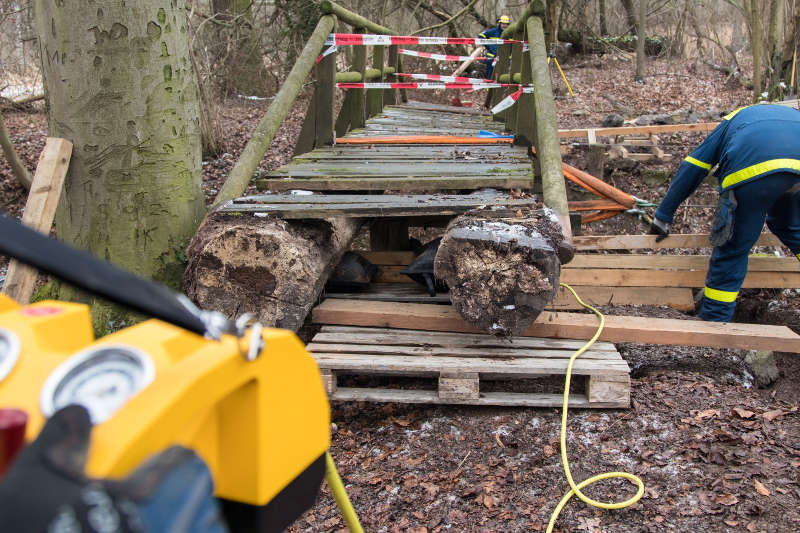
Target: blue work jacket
{"points": [[491, 33], [749, 143]]}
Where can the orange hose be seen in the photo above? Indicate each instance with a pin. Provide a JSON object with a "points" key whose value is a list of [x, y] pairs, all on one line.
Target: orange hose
{"points": [[606, 190], [571, 177], [600, 215], [595, 205], [423, 139]]}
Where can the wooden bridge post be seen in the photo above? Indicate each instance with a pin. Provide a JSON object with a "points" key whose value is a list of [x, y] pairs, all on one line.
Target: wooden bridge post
{"points": [[516, 65], [501, 68], [375, 96], [358, 112], [324, 100], [548, 151], [317, 127], [390, 95], [526, 111]]}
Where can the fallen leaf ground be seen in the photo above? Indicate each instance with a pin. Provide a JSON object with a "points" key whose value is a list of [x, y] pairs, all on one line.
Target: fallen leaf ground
{"points": [[715, 452]]}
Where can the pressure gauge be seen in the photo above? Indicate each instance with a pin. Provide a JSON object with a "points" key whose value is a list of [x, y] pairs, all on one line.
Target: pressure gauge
{"points": [[101, 378], [9, 352]]}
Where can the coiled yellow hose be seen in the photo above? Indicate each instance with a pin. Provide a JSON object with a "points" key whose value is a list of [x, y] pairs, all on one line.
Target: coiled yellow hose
{"points": [[576, 489], [351, 519]]}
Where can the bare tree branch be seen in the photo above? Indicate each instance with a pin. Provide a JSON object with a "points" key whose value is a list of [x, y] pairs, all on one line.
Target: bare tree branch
{"points": [[448, 21]]}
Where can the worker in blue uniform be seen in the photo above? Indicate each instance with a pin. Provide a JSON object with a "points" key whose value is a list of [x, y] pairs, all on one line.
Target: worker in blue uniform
{"points": [[756, 151], [491, 49]]}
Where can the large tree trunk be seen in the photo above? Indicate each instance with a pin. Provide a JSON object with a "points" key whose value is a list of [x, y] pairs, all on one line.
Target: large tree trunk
{"points": [[121, 87], [753, 14], [272, 268], [631, 17], [502, 272]]}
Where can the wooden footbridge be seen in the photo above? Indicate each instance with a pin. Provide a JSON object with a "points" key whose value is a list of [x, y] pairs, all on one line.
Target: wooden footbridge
{"points": [[345, 169]]}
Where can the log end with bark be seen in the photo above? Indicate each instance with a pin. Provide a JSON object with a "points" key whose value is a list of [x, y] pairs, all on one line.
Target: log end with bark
{"points": [[274, 269], [502, 271]]}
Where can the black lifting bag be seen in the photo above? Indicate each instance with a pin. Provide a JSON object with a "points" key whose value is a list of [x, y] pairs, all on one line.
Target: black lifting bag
{"points": [[722, 231]]}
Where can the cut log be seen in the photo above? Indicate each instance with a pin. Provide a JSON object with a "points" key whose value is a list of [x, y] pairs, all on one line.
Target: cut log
{"points": [[274, 269], [502, 272]]}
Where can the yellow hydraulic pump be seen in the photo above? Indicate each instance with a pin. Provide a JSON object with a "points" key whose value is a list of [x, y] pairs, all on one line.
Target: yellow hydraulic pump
{"points": [[262, 423]]}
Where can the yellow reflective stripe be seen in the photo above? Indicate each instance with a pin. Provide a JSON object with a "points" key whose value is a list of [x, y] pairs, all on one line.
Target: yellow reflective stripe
{"points": [[759, 168], [697, 162], [733, 113], [720, 296], [482, 35]]}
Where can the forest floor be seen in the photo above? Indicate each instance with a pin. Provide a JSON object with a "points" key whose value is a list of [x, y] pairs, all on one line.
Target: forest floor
{"points": [[715, 452]]}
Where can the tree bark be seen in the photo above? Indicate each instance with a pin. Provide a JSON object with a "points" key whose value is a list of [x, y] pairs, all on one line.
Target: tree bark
{"points": [[630, 17], [502, 272], [601, 7], [272, 268], [756, 33], [17, 166], [121, 87]]}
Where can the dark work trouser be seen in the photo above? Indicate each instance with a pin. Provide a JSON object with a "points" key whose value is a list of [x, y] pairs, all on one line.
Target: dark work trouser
{"points": [[768, 198]]}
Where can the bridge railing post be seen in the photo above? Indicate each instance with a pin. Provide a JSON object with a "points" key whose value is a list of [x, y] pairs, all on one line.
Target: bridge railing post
{"points": [[516, 65], [546, 139], [501, 69], [358, 111], [526, 111], [375, 96], [390, 95]]}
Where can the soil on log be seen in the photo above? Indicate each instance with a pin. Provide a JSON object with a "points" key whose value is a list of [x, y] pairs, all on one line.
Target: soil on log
{"points": [[274, 269], [502, 272]]}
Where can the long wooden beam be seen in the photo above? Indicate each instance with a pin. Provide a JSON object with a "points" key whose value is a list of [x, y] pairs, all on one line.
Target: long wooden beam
{"points": [[637, 130], [644, 330], [353, 19], [633, 242], [548, 154]]}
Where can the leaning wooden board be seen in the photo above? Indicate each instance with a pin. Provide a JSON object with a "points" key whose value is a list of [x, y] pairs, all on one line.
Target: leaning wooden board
{"points": [[431, 317]]}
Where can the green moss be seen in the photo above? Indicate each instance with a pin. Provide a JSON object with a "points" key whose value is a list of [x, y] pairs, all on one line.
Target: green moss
{"points": [[48, 291], [498, 170]]}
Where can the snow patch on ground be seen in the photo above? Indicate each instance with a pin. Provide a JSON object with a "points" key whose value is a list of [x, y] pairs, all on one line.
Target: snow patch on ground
{"points": [[15, 92]]}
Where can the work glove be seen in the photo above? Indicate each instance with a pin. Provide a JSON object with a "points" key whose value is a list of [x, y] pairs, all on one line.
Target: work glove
{"points": [[660, 228], [46, 489]]}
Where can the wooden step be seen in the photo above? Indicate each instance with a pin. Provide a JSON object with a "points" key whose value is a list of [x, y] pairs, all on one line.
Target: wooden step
{"points": [[461, 362]]}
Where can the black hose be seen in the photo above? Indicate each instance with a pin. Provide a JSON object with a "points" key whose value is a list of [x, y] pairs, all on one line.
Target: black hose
{"points": [[100, 277]]}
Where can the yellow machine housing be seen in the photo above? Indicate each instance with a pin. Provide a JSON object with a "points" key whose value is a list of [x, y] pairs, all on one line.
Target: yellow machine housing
{"points": [[258, 424]]}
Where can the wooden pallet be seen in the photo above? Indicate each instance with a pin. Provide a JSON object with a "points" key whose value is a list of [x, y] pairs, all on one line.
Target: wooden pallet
{"points": [[461, 362]]}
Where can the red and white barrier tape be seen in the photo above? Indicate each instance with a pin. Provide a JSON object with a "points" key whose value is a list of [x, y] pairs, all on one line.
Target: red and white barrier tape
{"points": [[343, 39], [510, 100], [447, 79], [328, 51], [439, 57], [394, 85]]}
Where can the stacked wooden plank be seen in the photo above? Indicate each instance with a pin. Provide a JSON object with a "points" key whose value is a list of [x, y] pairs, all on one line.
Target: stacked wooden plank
{"points": [[409, 168]]}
